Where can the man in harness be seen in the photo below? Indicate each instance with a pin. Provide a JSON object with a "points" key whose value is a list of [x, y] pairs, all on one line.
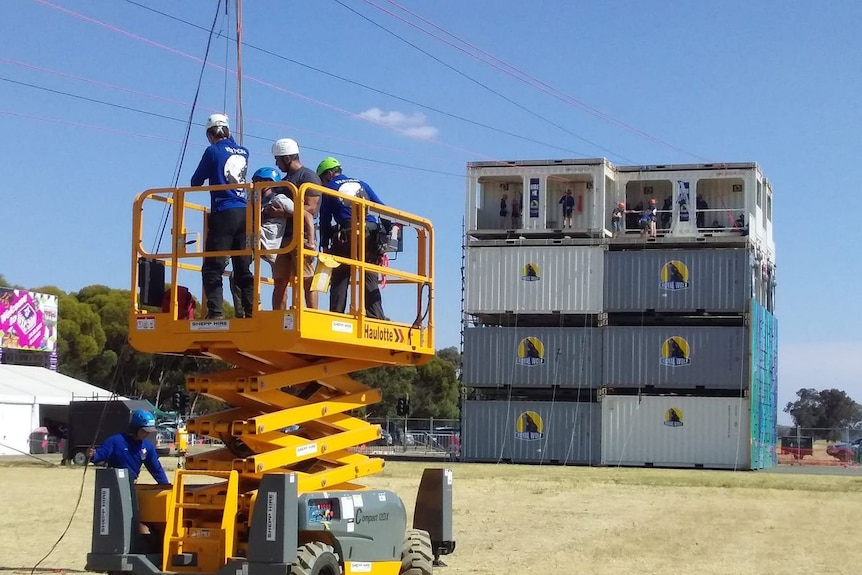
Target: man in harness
{"points": [[335, 236]]}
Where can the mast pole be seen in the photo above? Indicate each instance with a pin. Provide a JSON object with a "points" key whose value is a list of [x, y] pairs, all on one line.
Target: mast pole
{"points": [[239, 122]]}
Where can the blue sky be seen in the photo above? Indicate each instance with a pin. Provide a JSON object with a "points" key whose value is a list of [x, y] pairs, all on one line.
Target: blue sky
{"points": [[773, 82]]}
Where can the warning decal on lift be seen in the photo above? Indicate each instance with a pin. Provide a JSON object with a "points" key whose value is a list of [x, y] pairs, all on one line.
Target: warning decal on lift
{"points": [[271, 510], [210, 325], [104, 510], [382, 333]]}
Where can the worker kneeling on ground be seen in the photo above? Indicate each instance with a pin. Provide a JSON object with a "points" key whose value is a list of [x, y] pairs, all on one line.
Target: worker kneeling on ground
{"points": [[335, 235], [132, 449]]}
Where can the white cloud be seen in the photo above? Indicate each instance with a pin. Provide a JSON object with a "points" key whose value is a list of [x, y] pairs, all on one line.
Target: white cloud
{"points": [[821, 365], [413, 125]]}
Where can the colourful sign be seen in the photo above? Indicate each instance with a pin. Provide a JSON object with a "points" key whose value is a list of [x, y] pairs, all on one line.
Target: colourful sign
{"points": [[28, 320]]}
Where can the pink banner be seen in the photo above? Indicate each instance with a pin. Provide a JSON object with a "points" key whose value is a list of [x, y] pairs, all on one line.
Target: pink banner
{"points": [[28, 320]]}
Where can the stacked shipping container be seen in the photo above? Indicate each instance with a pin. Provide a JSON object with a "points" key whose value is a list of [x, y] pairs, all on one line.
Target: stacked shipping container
{"points": [[586, 351], [554, 432], [691, 358]]}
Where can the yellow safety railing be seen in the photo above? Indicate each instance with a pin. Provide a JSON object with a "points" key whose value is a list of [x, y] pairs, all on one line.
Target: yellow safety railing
{"points": [[181, 257]]}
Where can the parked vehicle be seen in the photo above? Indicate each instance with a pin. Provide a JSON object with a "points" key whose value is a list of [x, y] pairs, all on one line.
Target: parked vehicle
{"points": [[845, 451], [164, 438], [796, 446], [385, 439]]}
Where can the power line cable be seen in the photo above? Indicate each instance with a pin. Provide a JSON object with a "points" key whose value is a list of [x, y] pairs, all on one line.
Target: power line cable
{"points": [[187, 105], [524, 76], [173, 119], [483, 85], [282, 89], [366, 86]]}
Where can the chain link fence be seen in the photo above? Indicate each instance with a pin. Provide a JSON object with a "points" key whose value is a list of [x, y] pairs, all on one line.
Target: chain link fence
{"points": [[412, 437], [819, 446]]}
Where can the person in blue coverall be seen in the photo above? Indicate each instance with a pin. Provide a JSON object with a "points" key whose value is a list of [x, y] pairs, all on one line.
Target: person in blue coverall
{"points": [[225, 162], [132, 449], [335, 236]]}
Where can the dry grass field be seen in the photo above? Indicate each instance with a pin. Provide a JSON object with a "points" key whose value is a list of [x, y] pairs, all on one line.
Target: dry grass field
{"points": [[527, 519]]}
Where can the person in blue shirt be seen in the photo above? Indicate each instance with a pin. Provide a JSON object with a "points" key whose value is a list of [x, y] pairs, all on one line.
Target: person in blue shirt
{"points": [[335, 237], [132, 449], [225, 162]]}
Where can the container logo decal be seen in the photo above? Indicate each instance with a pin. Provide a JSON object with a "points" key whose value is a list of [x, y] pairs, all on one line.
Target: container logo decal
{"points": [[531, 352], [674, 276], [529, 426], [530, 273], [675, 352], [673, 417]]}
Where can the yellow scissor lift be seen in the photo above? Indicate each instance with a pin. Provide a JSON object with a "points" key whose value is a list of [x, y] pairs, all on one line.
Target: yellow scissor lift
{"points": [[289, 426]]}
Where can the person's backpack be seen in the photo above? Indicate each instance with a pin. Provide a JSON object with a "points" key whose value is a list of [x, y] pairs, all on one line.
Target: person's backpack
{"points": [[185, 303]]}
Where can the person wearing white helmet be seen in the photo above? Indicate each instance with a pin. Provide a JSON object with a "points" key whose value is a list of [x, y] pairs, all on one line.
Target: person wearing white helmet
{"points": [[225, 162], [286, 154]]}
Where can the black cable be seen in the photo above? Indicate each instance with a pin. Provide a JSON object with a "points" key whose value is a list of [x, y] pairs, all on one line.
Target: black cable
{"points": [[178, 170], [93, 100], [84, 474], [48, 463], [364, 86], [485, 86], [328, 152]]}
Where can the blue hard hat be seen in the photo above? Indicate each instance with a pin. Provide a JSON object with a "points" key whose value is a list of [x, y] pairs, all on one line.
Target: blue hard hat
{"points": [[143, 419], [267, 173]]}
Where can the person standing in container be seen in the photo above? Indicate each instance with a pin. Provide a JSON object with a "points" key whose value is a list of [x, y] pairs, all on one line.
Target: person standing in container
{"points": [[648, 220], [617, 216], [504, 210], [568, 203]]}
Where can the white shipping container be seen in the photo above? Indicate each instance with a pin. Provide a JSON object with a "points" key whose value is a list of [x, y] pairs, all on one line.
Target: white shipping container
{"points": [[534, 279], [668, 431]]}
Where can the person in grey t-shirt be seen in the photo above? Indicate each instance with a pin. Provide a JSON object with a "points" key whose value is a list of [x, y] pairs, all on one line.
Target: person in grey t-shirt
{"points": [[286, 154]]}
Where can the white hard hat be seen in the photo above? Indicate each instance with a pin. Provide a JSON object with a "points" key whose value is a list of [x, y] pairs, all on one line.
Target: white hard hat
{"points": [[285, 147], [217, 120]]}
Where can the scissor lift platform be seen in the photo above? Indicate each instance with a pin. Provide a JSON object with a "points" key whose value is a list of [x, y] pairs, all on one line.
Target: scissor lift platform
{"points": [[288, 384]]}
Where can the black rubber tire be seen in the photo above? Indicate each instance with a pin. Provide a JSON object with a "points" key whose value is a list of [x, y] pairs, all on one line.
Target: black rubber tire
{"points": [[79, 458], [316, 559], [417, 556]]}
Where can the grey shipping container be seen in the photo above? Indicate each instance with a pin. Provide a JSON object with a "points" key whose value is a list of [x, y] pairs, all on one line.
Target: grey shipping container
{"points": [[715, 280], [531, 432], [710, 432], [675, 357], [536, 280], [532, 357]]}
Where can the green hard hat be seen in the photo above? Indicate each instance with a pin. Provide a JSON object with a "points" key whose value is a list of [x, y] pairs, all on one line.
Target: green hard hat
{"points": [[327, 164]]}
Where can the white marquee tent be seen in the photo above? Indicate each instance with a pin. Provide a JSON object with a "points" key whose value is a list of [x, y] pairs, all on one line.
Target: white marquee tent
{"points": [[23, 390]]}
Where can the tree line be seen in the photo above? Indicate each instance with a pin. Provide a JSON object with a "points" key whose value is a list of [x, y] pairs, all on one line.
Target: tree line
{"points": [[93, 346], [825, 413]]}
